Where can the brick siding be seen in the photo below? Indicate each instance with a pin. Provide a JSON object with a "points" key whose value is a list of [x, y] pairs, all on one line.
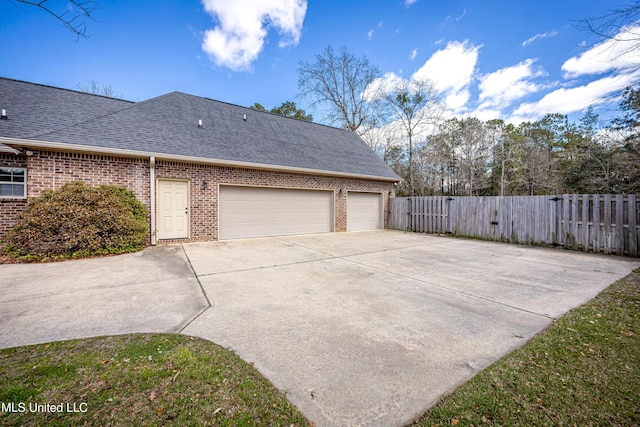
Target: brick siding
{"points": [[48, 170]]}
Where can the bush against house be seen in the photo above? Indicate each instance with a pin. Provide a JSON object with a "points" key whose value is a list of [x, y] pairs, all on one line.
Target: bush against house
{"points": [[79, 220]]}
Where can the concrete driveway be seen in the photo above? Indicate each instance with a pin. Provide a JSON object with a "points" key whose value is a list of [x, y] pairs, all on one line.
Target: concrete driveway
{"points": [[365, 328]]}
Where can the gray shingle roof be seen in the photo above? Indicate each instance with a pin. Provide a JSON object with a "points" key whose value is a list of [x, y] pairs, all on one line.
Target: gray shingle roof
{"points": [[35, 109], [168, 125]]}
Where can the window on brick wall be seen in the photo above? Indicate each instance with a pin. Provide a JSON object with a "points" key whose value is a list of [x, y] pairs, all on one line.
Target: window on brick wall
{"points": [[13, 183]]}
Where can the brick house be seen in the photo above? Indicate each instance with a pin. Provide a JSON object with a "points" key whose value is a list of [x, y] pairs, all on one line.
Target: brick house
{"points": [[206, 170]]}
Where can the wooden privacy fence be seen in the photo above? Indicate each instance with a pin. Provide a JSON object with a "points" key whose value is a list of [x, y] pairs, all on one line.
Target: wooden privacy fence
{"points": [[606, 223]]}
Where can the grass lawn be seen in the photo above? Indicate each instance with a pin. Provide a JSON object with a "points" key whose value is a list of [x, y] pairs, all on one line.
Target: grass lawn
{"points": [[130, 380], [584, 370]]}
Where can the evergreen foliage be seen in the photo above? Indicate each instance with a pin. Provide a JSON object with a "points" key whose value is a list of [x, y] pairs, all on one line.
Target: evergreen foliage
{"points": [[78, 220]]}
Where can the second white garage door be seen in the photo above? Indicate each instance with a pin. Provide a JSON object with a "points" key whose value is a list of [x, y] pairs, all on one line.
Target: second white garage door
{"points": [[364, 211], [257, 211]]}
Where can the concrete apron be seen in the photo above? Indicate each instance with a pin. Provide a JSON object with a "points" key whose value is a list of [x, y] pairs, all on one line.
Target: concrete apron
{"points": [[149, 291], [363, 328], [372, 328]]}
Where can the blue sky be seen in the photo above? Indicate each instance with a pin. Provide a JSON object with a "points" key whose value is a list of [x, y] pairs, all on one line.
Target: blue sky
{"points": [[515, 60]]}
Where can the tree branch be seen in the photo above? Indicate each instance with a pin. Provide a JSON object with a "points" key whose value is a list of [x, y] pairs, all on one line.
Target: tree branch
{"points": [[618, 26], [70, 18]]}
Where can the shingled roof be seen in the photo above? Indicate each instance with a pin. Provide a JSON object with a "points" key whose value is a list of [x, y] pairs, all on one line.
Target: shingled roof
{"points": [[35, 109], [168, 126]]}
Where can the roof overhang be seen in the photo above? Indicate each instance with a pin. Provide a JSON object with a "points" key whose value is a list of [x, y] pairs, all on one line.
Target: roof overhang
{"points": [[19, 143]]}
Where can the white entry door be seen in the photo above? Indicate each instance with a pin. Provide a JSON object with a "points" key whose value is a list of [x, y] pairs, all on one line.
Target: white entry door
{"points": [[173, 209]]}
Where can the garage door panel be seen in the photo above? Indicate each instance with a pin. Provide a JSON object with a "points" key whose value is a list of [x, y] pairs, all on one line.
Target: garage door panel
{"points": [[254, 212], [364, 211]]}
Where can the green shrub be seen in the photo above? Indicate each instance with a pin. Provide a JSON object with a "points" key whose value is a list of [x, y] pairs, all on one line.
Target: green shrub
{"points": [[77, 221]]}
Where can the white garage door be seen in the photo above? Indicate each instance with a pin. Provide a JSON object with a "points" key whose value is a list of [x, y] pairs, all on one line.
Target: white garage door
{"points": [[364, 211], [254, 212]]}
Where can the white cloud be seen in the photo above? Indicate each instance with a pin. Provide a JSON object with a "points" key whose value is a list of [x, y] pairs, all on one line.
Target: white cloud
{"points": [[451, 71], [457, 101], [382, 85], [464, 12], [409, 2], [566, 101], [485, 114], [243, 25], [502, 87], [530, 40], [620, 52], [413, 55]]}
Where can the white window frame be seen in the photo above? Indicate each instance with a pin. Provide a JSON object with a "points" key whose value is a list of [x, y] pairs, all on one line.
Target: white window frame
{"points": [[24, 183]]}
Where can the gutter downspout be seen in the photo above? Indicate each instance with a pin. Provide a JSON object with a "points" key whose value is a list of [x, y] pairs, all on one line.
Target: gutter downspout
{"points": [[152, 198]]}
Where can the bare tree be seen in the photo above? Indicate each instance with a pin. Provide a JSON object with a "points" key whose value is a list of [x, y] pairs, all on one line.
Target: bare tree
{"points": [[412, 108], [72, 15], [338, 81], [96, 88], [382, 140]]}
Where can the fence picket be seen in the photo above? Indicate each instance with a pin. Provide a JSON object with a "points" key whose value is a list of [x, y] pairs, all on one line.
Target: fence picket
{"points": [[632, 206], [585, 222], [607, 223], [438, 219], [596, 223], [566, 212], [574, 222], [429, 215], [619, 225]]}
